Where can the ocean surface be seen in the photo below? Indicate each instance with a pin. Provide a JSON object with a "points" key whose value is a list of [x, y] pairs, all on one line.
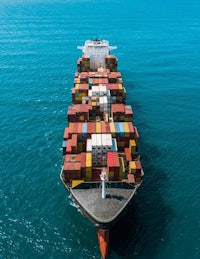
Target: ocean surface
{"points": [[159, 58]]}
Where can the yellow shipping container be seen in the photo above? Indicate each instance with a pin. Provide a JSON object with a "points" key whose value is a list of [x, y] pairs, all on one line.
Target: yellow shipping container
{"points": [[76, 80], [120, 80], [78, 98], [98, 127], [80, 147], [88, 170], [111, 174], [77, 87], [94, 98], [88, 159], [88, 179], [112, 128], [81, 94], [132, 146], [121, 176], [132, 167], [76, 182], [121, 118], [88, 174], [120, 86], [122, 167], [120, 144], [81, 118], [126, 129], [127, 119]]}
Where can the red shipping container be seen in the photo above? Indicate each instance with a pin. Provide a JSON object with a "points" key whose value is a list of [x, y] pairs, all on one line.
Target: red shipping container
{"points": [[96, 174], [136, 133], [95, 81], [74, 143], [79, 129], [73, 158], [71, 128], [103, 127], [69, 146], [91, 128], [83, 88], [72, 170], [131, 130], [118, 108], [107, 127], [66, 134], [131, 178], [113, 159]]}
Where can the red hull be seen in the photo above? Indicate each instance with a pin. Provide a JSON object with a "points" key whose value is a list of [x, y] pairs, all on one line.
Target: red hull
{"points": [[103, 239]]}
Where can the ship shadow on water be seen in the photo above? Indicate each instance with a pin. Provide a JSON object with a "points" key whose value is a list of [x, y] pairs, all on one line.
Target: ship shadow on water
{"points": [[141, 231]]}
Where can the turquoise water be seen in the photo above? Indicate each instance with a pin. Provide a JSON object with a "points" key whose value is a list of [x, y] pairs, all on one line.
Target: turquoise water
{"points": [[159, 58]]}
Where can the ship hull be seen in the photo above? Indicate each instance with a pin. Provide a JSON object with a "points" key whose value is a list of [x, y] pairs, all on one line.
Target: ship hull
{"points": [[102, 213], [101, 165]]}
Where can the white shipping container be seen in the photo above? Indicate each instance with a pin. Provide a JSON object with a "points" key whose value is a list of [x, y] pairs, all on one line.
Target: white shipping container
{"points": [[101, 101], [108, 92], [105, 100], [98, 140], [89, 145], [100, 91], [94, 140], [109, 140], [90, 93], [104, 89], [103, 139]]}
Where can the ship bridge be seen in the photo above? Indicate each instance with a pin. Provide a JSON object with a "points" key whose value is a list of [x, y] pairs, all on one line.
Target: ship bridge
{"points": [[96, 50]]}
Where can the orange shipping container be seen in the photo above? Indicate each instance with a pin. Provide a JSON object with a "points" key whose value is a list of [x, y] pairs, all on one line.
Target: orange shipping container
{"points": [[128, 154]]}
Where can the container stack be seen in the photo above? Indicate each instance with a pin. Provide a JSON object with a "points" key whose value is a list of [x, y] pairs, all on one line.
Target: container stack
{"points": [[133, 147], [121, 112], [135, 169], [111, 63], [118, 92], [99, 145], [78, 113], [83, 64], [128, 113], [115, 78], [100, 133], [113, 165], [117, 112], [72, 167]]}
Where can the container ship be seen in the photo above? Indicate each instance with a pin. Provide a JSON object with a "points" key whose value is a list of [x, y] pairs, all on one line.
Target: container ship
{"points": [[101, 165]]}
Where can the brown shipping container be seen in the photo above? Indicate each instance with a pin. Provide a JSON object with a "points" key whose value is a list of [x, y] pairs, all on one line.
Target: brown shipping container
{"points": [[71, 170]]}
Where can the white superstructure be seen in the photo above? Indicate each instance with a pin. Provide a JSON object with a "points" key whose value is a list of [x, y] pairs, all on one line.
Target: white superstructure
{"points": [[96, 50]]}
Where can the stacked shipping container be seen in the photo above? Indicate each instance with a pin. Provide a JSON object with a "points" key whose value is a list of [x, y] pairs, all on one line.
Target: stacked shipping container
{"points": [[100, 133]]}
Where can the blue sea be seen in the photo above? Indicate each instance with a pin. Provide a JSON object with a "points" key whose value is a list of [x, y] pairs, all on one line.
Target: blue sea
{"points": [[159, 58]]}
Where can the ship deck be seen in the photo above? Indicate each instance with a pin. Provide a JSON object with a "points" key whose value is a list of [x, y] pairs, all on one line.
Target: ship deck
{"points": [[103, 211]]}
